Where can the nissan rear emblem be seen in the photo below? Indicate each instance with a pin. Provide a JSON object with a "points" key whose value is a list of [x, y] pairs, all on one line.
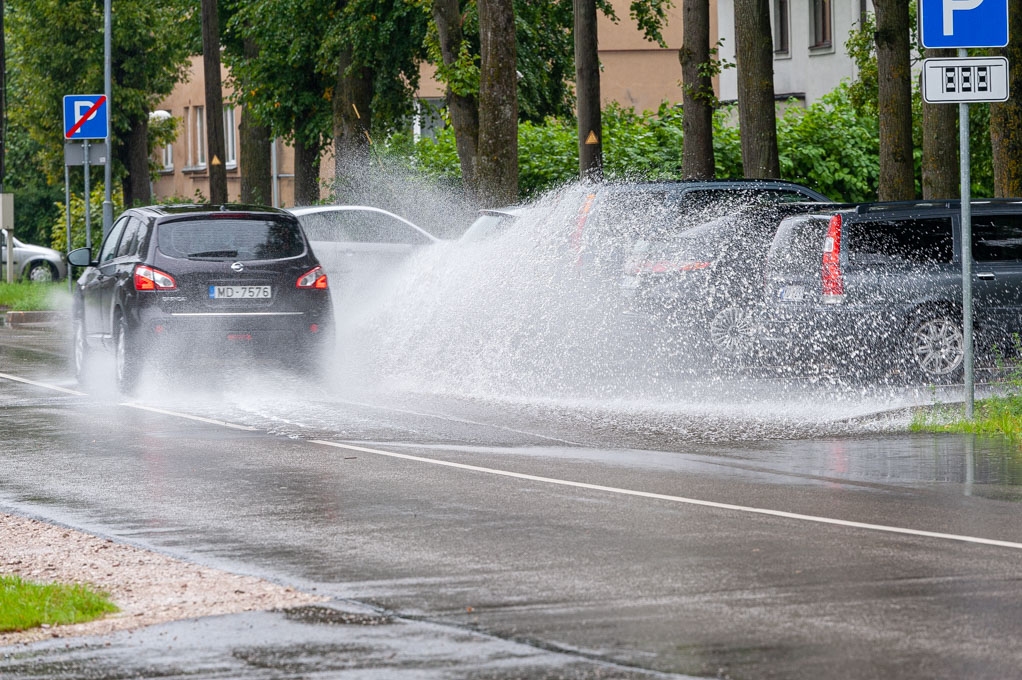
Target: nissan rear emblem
{"points": [[238, 267]]}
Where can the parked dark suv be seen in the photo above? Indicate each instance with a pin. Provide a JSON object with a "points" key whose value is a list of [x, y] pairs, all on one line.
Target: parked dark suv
{"points": [[195, 278], [707, 281], [883, 281]]}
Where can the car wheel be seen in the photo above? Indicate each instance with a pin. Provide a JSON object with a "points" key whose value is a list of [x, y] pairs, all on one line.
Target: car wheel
{"points": [[80, 349], [936, 347], [40, 272], [127, 360], [732, 332]]}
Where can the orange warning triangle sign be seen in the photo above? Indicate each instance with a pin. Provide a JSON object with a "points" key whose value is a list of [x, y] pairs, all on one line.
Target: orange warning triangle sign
{"points": [[592, 138]]}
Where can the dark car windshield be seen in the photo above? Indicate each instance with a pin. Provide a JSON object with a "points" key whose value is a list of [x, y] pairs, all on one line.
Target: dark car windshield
{"points": [[231, 238]]}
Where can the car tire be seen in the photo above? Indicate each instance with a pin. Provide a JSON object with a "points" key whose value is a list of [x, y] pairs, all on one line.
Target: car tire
{"points": [[732, 333], [127, 360], [80, 349], [936, 347], [40, 272]]}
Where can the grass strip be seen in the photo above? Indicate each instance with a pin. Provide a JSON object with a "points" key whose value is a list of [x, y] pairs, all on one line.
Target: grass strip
{"points": [[1000, 414], [25, 296], [25, 605]]}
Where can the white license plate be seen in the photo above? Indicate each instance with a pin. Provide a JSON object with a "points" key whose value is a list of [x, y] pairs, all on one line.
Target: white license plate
{"points": [[792, 293], [240, 292]]}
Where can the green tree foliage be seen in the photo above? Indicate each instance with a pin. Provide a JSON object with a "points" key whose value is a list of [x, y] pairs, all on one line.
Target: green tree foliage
{"points": [[829, 146], [55, 48], [285, 87], [35, 199]]}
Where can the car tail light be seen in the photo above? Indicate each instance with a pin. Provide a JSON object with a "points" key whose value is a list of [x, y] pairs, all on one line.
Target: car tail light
{"points": [[314, 278], [147, 278], [662, 266], [830, 273]]}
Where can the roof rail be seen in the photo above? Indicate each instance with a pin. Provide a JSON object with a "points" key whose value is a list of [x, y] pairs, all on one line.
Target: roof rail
{"points": [[941, 203]]}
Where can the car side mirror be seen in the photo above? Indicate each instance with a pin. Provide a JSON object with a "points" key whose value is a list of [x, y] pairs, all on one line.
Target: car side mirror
{"points": [[80, 257]]}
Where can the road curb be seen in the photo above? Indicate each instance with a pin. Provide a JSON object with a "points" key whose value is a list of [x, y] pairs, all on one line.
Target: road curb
{"points": [[22, 319]]}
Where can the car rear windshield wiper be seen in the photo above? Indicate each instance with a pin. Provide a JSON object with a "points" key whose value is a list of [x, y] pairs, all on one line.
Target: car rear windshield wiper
{"points": [[213, 253]]}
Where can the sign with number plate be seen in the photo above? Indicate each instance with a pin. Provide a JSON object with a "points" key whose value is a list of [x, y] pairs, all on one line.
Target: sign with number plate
{"points": [[965, 80]]}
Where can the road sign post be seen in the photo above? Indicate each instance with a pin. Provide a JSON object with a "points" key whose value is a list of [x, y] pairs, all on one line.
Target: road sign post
{"points": [[965, 24], [86, 117]]}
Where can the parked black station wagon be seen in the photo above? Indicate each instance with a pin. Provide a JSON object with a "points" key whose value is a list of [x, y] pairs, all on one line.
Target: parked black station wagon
{"points": [[199, 278], [886, 278]]}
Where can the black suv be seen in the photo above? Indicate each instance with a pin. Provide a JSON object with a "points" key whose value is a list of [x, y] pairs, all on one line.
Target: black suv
{"points": [[228, 278], [707, 281], [885, 278]]}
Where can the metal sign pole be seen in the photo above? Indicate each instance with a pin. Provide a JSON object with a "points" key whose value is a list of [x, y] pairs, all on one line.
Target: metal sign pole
{"points": [[67, 216], [88, 220], [970, 376]]}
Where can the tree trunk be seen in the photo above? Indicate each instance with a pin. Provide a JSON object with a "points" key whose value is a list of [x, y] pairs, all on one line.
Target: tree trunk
{"points": [[463, 107], [214, 102], [255, 161], [134, 154], [941, 168], [498, 104], [697, 96], [1006, 117], [353, 96], [757, 116], [897, 169], [587, 85], [307, 159]]}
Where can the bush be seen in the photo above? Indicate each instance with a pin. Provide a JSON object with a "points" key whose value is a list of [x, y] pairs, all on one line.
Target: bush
{"points": [[59, 231], [828, 146]]}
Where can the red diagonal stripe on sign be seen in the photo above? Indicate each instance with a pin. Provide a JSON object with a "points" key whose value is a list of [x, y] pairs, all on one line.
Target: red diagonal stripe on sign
{"points": [[88, 114]]}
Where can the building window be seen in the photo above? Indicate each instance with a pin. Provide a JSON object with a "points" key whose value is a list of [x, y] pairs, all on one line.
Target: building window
{"points": [[821, 23], [230, 139], [781, 27], [428, 119], [168, 157], [200, 136]]}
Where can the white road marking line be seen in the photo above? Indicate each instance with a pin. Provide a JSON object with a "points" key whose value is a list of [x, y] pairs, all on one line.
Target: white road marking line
{"points": [[679, 499], [200, 419], [57, 388], [577, 485]]}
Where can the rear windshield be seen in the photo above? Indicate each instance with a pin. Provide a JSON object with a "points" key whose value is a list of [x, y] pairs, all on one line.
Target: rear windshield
{"points": [[231, 238], [901, 242]]}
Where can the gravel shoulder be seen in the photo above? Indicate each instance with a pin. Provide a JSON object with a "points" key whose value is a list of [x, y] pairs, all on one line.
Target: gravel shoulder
{"points": [[148, 587]]}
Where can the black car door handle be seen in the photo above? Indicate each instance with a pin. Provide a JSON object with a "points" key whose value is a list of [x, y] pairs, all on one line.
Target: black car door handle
{"points": [[985, 276]]}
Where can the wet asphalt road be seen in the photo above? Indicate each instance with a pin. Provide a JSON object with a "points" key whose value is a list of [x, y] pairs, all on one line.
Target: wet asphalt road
{"points": [[525, 541]]}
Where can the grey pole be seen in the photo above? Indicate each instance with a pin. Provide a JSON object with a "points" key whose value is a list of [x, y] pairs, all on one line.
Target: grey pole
{"points": [[67, 215], [970, 377], [108, 206], [88, 217]]}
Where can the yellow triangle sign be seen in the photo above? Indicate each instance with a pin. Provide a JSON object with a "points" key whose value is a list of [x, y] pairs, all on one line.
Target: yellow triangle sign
{"points": [[592, 138], [215, 161]]}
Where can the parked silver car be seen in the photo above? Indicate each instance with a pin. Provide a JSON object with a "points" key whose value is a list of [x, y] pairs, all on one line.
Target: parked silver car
{"points": [[32, 263], [357, 244]]}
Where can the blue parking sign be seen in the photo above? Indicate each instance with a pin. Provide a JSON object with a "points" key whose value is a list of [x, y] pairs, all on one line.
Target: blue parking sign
{"points": [[963, 23], [86, 116]]}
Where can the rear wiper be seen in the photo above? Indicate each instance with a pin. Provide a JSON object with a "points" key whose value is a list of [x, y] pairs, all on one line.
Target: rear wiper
{"points": [[213, 253]]}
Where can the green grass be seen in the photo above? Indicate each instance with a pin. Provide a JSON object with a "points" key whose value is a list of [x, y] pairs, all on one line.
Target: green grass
{"points": [[33, 297], [1000, 414], [25, 605]]}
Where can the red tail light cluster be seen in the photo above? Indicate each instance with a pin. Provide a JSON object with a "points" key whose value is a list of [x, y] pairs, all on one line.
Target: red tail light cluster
{"points": [[314, 278], [830, 273], [663, 266], [147, 278]]}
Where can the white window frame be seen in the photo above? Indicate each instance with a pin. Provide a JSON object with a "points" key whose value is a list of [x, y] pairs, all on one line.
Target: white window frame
{"points": [[200, 136], [230, 139]]}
